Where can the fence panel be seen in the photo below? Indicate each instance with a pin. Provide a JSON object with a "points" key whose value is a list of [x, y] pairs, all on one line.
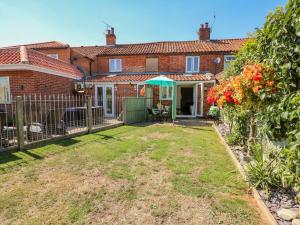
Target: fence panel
{"points": [[134, 110], [46, 117], [8, 130], [31, 119]]}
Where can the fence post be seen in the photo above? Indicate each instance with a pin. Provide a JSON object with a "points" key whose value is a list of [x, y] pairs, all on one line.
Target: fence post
{"points": [[124, 107], [89, 114], [20, 122]]}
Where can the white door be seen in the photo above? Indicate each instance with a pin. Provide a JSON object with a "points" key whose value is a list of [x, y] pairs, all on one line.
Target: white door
{"points": [[105, 97]]}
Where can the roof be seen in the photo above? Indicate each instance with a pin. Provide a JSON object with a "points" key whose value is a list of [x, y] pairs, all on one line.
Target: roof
{"points": [[45, 45], [219, 76], [144, 77], [170, 47], [24, 56]]}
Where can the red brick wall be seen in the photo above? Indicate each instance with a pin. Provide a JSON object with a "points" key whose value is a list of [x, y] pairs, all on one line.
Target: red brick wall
{"points": [[30, 82], [167, 63], [83, 62], [129, 64], [206, 63], [64, 54], [177, 63], [125, 90]]}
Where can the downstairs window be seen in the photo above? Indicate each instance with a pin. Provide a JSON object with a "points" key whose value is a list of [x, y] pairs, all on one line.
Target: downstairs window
{"points": [[4, 90]]}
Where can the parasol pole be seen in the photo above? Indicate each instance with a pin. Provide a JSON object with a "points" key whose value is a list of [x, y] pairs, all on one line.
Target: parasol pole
{"points": [[160, 92]]}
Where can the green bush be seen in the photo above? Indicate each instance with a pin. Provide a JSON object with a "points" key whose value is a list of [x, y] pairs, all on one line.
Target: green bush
{"points": [[214, 112], [235, 138], [261, 175], [256, 151]]}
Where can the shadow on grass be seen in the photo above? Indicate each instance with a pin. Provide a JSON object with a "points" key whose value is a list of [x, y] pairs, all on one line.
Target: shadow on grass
{"points": [[144, 124], [67, 142], [13, 158]]}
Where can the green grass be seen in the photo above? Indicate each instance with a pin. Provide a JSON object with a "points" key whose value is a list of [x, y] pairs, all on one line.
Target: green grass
{"points": [[136, 174]]}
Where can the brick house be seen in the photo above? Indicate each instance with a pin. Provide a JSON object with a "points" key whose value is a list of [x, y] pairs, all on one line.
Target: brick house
{"points": [[122, 69], [27, 71], [113, 70]]}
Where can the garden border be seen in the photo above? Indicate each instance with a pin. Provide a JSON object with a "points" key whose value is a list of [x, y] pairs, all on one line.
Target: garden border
{"points": [[264, 209]]}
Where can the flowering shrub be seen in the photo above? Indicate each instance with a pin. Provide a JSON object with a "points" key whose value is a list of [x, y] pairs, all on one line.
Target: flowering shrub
{"points": [[254, 84], [269, 98]]}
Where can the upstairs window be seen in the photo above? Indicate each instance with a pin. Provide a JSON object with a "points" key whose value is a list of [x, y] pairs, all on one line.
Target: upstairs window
{"points": [[192, 64], [228, 59], [54, 56], [166, 93], [151, 64], [115, 65], [4, 90]]}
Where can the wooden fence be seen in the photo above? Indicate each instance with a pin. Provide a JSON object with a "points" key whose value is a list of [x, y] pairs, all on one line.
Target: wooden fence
{"points": [[134, 110]]}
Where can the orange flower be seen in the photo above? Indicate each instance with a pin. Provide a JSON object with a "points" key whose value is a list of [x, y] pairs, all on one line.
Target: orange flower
{"points": [[270, 83], [256, 89]]}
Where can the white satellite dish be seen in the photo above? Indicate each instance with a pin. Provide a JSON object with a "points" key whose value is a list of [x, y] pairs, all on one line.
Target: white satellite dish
{"points": [[217, 60]]}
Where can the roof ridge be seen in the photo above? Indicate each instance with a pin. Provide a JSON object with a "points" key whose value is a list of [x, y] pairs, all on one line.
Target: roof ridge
{"points": [[158, 42], [45, 42]]}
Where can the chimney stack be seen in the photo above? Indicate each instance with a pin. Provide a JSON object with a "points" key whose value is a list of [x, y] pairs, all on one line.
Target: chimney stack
{"points": [[110, 36], [204, 32]]}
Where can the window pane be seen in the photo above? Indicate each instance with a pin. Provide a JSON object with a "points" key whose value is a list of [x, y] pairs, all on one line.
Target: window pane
{"points": [[196, 64], [228, 59], [118, 65], [100, 96], [4, 90], [189, 64], [163, 92], [109, 100], [54, 56], [111, 65]]}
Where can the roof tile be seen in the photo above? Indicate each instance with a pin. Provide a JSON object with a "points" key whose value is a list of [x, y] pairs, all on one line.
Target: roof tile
{"points": [[223, 45], [143, 77], [16, 55]]}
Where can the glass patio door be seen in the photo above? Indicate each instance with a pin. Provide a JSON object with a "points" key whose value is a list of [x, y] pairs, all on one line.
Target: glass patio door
{"points": [[105, 97]]}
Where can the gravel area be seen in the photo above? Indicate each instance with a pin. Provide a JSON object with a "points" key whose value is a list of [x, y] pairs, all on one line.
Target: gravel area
{"points": [[275, 200]]}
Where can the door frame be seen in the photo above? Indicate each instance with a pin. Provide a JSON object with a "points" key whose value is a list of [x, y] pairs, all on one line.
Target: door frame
{"points": [[195, 92], [104, 86]]}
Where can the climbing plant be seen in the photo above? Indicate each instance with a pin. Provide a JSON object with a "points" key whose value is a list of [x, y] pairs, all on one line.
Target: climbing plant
{"points": [[264, 82]]}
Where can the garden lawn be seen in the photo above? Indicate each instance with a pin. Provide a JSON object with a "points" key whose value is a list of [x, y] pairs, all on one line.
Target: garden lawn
{"points": [[148, 174]]}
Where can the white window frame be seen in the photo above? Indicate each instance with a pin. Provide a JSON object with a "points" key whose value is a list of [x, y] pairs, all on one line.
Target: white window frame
{"points": [[137, 89], [226, 61], [53, 56], [112, 64], [193, 61], [168, 97], [8, 100]]}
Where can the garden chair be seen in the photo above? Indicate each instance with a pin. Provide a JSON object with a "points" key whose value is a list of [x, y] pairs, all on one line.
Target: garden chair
{"points": [[166, 114], [154, 114]]}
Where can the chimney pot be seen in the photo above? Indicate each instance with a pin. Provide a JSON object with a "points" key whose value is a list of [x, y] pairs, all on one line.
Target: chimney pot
{"points": [[204, 32], [111, 37]]}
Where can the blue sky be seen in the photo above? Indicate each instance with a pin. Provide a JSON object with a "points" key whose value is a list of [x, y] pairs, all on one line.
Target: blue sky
{"points": [[79, 22]]}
